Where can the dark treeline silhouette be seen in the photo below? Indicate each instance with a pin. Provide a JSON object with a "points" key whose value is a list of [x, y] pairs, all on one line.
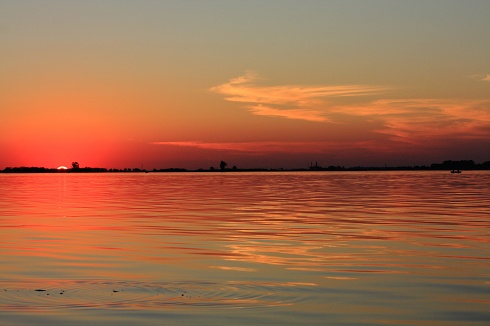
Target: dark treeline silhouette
{"points": [[34, 169], [25, 169], [446, 165], [222, 165], [460, 165]]}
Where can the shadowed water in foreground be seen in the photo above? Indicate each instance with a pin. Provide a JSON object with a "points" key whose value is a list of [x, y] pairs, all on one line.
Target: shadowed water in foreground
{"points": [[238, 248]]}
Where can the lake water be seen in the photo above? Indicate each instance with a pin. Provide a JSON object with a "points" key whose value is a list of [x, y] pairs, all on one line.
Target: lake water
{"points": [[330, 248]]}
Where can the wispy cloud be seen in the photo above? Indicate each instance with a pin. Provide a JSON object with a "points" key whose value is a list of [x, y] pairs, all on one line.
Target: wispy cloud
{"points": [[383, 125], [420, 120], [405, 120], [301, 114], [288, 101], [271, 146], [387, 125], [480, 77]]}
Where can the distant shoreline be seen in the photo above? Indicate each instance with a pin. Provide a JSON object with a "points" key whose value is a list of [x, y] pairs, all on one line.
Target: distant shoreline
{"points": [[467, 165]]}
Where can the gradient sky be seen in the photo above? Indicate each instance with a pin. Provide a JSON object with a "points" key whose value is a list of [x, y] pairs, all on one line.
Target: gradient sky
{"points": [[262, 83]]}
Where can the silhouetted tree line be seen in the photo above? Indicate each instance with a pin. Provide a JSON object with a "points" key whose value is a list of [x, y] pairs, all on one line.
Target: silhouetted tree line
{"points": [[460, 165], [25, 169], [446, 165], [33, 169]]}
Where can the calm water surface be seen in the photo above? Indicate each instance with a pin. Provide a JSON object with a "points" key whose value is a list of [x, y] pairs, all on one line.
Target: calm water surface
{"points": [[240, 248]]}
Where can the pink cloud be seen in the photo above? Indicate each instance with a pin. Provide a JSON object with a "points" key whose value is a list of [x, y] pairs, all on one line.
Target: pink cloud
{"points": [[288, 101], [272, 146], [302, 114], [418, 120]]}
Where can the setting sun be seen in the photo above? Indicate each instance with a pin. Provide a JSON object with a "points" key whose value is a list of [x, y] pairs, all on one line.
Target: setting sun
{"points": [[268, 84]]}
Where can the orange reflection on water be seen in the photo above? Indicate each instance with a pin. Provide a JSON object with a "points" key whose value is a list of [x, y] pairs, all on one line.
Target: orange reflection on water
{"points": [[244, 240]]}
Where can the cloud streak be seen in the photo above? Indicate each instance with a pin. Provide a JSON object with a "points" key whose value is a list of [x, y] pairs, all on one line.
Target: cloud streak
{"points": [[418, 121], [384, 124], [300, 114], [260, 147], [404, 120], [288, 101]]}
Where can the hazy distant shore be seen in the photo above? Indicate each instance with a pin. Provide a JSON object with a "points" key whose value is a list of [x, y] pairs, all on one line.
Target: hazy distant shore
{"points": [[446, 165]]}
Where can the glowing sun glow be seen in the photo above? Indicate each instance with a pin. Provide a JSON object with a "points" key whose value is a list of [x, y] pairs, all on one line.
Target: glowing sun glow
{"points": [[62, 167], [186, 84]]}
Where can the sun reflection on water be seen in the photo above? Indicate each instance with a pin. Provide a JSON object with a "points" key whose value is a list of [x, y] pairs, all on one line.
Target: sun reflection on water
{"points": [[246, 240]]}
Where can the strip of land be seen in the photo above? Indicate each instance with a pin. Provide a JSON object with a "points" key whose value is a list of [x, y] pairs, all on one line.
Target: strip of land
{"points": [[446, 165]]}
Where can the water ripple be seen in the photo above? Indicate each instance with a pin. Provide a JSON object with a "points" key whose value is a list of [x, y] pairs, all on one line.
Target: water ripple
{"points": [[80, 294]]}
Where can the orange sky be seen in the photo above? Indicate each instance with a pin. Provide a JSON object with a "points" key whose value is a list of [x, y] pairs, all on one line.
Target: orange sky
{"points": [[270, 84]]}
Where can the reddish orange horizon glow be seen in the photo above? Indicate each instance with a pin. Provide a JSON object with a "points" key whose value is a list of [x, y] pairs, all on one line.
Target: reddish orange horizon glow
{"points": [[188, 87]]}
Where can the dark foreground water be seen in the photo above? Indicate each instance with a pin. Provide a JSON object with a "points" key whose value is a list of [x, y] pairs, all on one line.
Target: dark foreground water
{"points": [[403, 248]]}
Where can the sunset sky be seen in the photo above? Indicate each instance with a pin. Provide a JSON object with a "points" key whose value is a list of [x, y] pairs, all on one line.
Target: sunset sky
{"points": [[269, 83]]}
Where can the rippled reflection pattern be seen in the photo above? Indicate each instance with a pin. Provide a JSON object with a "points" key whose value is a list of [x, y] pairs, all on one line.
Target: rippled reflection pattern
{"points": [[271, 248]]}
